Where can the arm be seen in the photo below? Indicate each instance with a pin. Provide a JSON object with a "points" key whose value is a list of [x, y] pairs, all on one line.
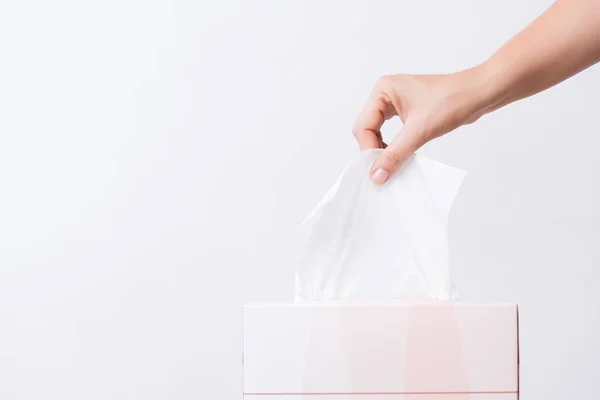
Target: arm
{"points": [[560, 43], [557, 45]]}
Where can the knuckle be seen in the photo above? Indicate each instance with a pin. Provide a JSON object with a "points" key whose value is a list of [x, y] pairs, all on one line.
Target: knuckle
{"points": [[383, 82], [392, 159], [358, 127]]}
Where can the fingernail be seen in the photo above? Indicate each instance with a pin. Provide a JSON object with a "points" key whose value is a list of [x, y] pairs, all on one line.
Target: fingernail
{"points": [[380, 176]]}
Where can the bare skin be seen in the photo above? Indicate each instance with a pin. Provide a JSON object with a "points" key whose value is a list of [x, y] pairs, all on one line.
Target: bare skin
{"points": [[557, 45]]}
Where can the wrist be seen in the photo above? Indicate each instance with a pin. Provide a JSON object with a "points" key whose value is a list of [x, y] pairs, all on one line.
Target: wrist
{"points": [[484, 88], [472, 92]]}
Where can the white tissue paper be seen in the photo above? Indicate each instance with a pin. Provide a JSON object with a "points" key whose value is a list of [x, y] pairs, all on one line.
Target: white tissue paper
{"points": [[381, 242]]}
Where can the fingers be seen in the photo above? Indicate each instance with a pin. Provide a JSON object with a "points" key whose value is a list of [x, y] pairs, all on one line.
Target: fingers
{"points": [[367, 128], [367, 131], [395, 155]]}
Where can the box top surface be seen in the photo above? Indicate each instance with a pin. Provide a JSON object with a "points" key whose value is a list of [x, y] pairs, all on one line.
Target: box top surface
{"points": [[381, 303]]}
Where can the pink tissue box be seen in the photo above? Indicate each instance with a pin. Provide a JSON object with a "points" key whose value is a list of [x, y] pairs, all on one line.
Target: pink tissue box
{"points": [[381, 350]]}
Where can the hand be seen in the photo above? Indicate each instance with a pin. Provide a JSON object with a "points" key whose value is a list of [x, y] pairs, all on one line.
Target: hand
{"points": [[428, 105], [558, 44]]}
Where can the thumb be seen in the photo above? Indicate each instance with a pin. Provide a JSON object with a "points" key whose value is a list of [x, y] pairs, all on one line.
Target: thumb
{"points": [[395, 155]]}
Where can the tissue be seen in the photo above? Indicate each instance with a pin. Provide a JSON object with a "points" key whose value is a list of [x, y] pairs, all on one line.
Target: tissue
{"points": [[367, 241]]}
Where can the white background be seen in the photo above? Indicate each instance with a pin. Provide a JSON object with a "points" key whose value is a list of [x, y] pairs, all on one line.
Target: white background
{"points": [[157, 157]]}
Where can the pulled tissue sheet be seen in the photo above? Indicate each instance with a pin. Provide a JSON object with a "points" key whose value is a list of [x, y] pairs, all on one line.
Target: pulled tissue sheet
{"points": [[381, 242]]}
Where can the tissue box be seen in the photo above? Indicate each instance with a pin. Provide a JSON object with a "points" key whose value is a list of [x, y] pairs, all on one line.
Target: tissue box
{"points": [[381, 350]]}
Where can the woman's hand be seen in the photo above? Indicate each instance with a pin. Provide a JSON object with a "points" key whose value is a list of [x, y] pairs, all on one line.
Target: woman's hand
{"points": [[558, 44], [428, 105]]}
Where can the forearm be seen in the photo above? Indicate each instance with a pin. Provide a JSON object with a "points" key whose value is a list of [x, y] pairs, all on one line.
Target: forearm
{"points": [[560, 43]]}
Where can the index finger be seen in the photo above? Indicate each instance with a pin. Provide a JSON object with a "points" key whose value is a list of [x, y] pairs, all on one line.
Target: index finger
{"points": [[367, 128]]}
